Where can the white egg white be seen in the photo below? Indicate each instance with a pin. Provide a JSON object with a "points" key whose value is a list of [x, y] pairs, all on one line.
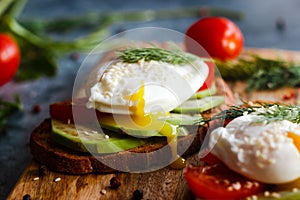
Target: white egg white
{"points": [[257, 150], [166, 86]]}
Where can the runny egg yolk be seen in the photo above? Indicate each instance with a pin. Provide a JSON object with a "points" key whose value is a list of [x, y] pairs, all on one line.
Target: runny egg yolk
{"points": [[138, 110], [143, 119], [295, 138]]}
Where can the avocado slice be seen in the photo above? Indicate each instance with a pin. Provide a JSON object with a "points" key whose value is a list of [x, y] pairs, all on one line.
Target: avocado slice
{"points": [[205, 93], [182, 119], [199, 105], [84, 139]]}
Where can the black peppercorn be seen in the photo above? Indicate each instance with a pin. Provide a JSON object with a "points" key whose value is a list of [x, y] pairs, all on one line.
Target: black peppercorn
{"points": [[138, 194], [114, 183], [42, 170], [36, 109], [26, 197]]}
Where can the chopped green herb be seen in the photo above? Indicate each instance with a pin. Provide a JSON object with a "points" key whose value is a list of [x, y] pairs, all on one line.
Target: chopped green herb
{"points": [[176, 57]]}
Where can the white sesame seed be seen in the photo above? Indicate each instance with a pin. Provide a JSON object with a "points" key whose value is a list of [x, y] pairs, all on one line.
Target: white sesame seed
{"points": [[248, 185], [260, 165], [266, 193], [236, 185], [226, 181], [36, 178], [57, 179], [106, 136], [103, 192], [256, 184], [295, 189], [275, 195], [254, 197]]}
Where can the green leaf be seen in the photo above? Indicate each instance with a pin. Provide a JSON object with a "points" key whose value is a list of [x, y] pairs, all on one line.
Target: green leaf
{"points": [[36, 62]]}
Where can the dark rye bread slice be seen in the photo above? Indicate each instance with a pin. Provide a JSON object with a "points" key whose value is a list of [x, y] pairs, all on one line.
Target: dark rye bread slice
{"points": [[59, 158]]}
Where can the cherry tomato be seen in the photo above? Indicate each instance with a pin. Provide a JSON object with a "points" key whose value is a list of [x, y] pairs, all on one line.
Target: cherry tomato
{"points": [[219, 182], [220, 37], [9, 58]]}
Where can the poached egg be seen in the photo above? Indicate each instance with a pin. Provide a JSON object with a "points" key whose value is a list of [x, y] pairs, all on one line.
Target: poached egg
{"points": [[165, 86], [266, 152]]}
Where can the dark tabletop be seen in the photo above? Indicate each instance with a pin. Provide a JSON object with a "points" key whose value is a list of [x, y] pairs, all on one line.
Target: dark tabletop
{"points": [[266, 24]]}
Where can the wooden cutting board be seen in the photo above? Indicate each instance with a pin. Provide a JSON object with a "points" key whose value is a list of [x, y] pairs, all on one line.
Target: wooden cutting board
{"points": [[166, 183]]}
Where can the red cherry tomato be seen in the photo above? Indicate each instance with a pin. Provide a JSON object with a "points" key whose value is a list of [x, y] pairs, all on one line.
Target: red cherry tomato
{"points": [[220, 37], [9, 58], [219, 182]]}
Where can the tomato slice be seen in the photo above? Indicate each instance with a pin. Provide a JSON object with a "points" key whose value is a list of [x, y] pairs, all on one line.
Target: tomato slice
{"points": [[219, 182], [64, 111], [210, 78], [211, 159]]}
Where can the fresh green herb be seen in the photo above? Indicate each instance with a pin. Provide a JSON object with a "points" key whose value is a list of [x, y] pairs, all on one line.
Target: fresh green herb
{"points": [[176, 57], [7, 108], [278, 112], [261, 73], [268, 111]]}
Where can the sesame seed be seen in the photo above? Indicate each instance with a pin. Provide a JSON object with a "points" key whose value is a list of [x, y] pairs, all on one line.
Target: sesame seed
{"points": [[106, 136], [254, 197], [260, 165], [103, 192], [36, 178], [226, 181], [275, 195], [295, 190], [57, 179], [236, 185], [248, 185], [230, 188], [69, 121], [266, 193]]}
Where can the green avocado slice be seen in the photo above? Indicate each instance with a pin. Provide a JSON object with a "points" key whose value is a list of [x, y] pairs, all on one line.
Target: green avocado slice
{"points": [[199, 105], [90, 140]]}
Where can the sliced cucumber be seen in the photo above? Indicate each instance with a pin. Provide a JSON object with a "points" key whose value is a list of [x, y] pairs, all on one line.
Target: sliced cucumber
{"points": [[205, 93], [199, 105], [90, 140]]}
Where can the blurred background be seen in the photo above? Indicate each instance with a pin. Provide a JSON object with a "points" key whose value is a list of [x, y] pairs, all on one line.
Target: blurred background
{"points": [[265, 24]]}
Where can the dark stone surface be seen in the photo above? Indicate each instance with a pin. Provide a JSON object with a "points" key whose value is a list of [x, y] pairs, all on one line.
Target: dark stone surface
{"points": [[267, 24]]}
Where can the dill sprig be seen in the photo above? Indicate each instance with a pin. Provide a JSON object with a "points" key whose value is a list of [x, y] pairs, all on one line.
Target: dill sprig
{"points": [[267, 111], [261, 73], [278, 112], [176, 57]]}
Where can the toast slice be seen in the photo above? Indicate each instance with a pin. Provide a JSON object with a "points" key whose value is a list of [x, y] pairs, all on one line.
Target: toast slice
{"points": [[59, 158]]}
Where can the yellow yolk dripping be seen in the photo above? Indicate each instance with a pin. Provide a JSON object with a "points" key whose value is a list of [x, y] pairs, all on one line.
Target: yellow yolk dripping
{"points": [[295, 138], [139, 116], [142, 119]]}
